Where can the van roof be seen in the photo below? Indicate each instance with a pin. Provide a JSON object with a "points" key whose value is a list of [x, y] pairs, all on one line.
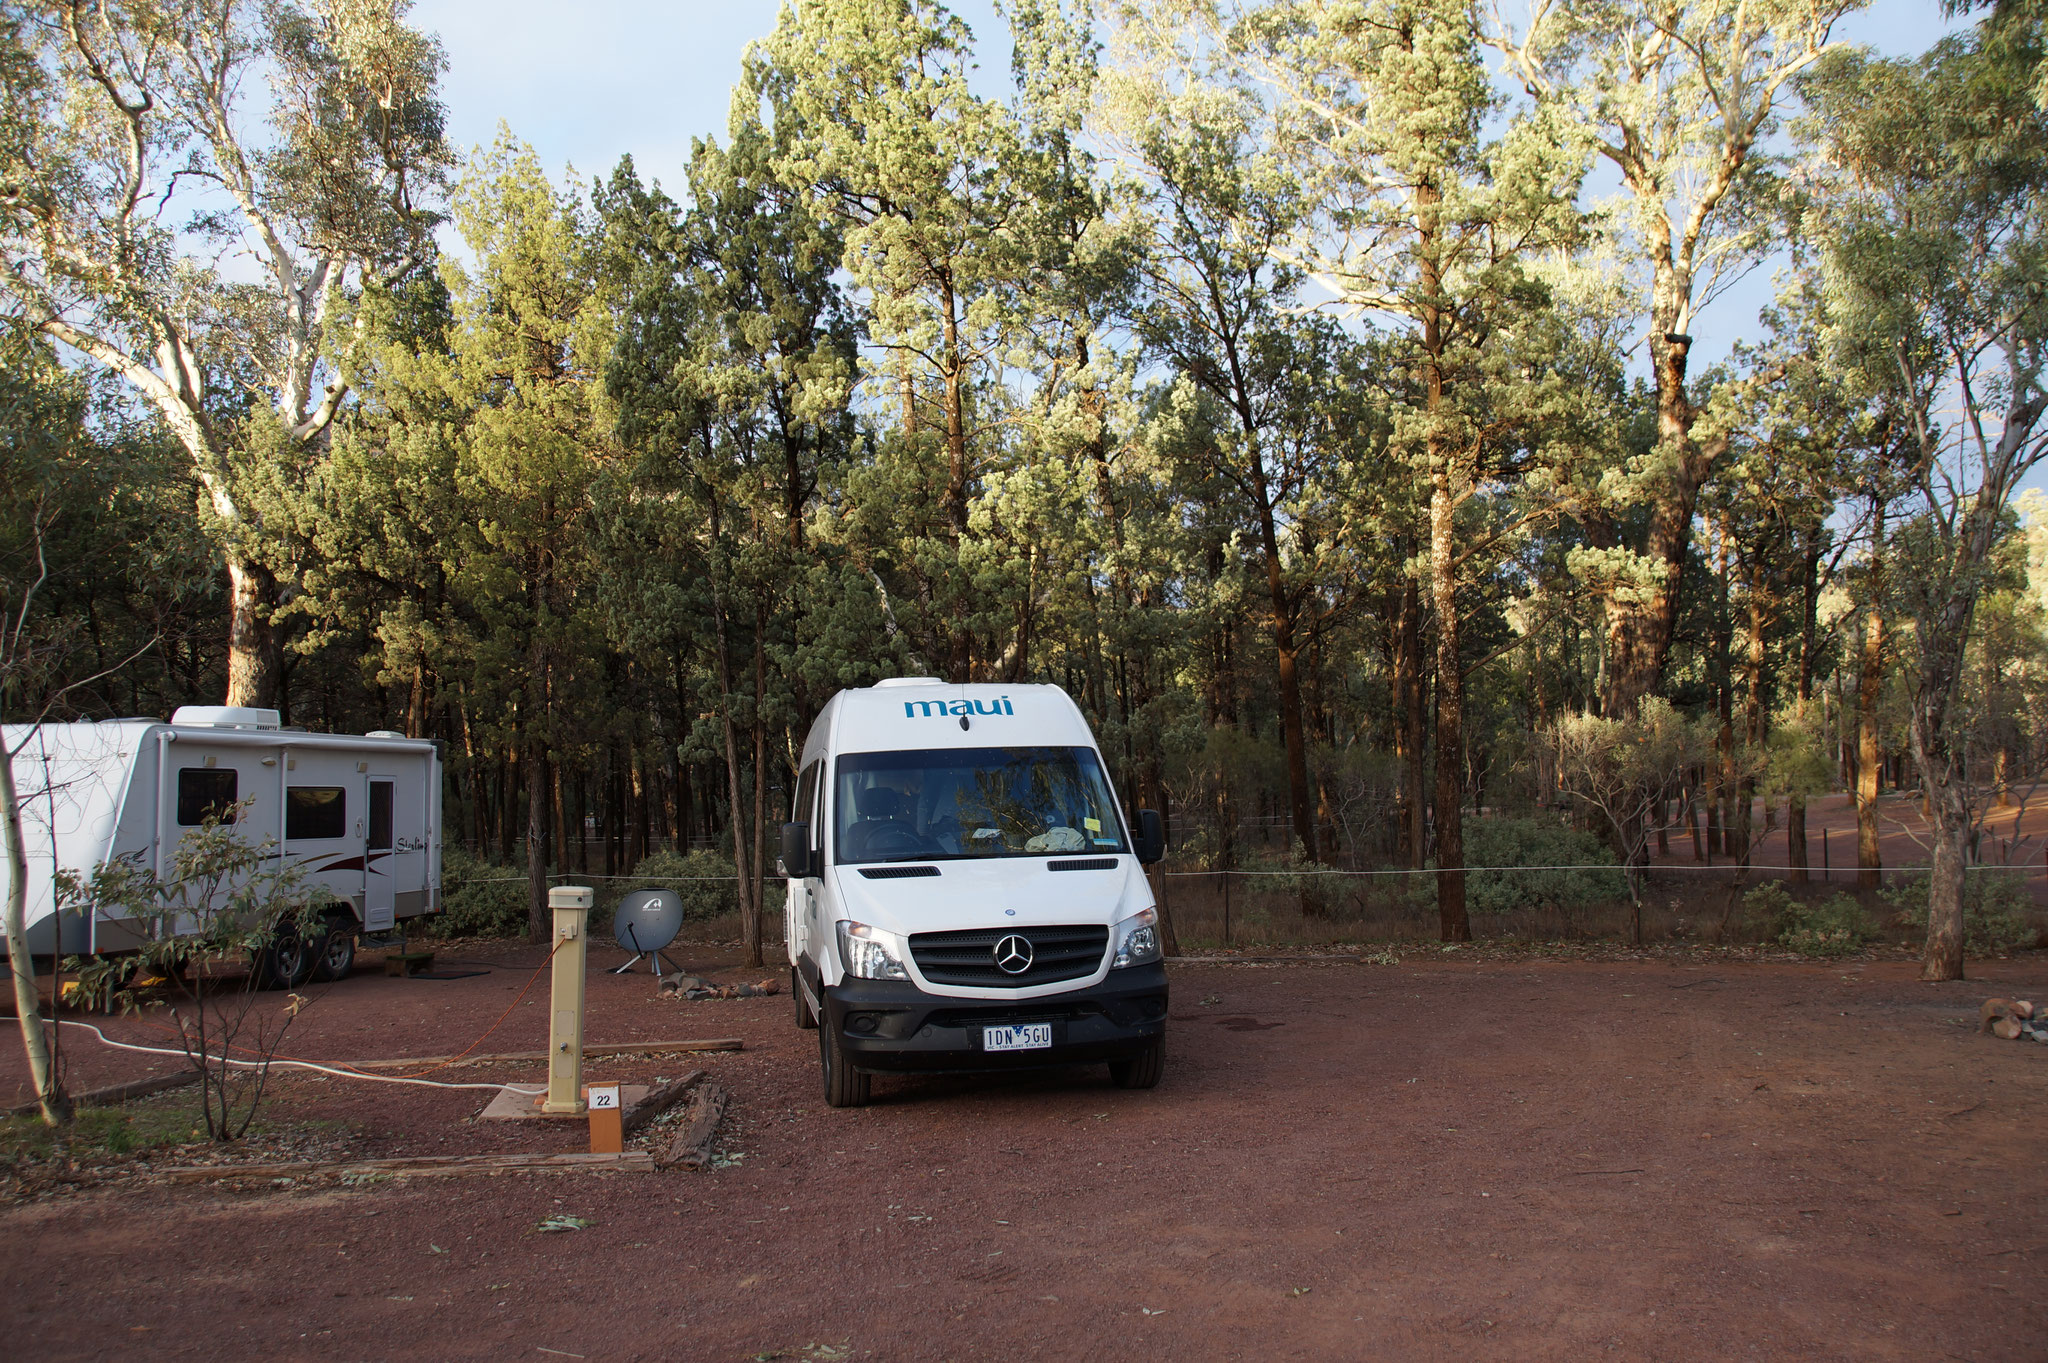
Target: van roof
{"points": [[906, 713]]}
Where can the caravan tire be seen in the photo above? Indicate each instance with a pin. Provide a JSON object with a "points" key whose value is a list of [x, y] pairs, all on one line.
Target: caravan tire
{"points": [[334, 951], [844, 1085], [286, 962], [805, 1018]]}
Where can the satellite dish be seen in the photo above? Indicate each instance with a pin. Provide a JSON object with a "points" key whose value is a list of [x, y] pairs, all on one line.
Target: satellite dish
{"points": [[647, 921]]}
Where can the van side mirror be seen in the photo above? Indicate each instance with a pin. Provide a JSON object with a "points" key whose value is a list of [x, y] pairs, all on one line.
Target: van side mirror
{"points": [[1151, 836], [796, 851]]}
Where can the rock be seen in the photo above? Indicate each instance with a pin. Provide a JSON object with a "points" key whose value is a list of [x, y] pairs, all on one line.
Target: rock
{"points": [[1992, 1011], [2007, 1029], [2022, 1009]]}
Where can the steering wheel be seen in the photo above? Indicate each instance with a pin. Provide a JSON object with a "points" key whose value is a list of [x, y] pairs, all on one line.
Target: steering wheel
{"points": [[890, 839]]}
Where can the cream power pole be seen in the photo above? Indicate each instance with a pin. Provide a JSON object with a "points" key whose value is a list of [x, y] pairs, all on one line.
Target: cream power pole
{"points": [[571, 905]]}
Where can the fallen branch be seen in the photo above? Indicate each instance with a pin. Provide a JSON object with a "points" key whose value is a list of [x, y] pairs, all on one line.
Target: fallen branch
{"points": [[657, 1102], [609, 1048], [691, 1148], [118, 1093], [632, 1161]]}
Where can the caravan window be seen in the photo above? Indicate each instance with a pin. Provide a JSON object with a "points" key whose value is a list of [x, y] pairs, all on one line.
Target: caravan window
{"points": [[315, 812], [205, 793]]}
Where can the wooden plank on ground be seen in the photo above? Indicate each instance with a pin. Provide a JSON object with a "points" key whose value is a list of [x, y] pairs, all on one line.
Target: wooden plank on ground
{"points": [[657, 1102], [631, 1161], [118, 1093], [691, 1148], [608, 1048]]}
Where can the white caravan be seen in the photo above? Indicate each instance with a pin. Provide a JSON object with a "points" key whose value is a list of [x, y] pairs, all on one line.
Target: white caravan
{"points": [[964, 893], [358, 814]]}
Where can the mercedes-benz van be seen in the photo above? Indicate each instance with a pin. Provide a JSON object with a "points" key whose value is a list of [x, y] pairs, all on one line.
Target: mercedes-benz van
{"points": [[964, 891]]}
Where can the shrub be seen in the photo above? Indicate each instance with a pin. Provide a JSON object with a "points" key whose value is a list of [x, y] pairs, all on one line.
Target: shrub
{"points": [[704, 881], [1995, 905], [1837, 926], [480, 898], [1593, 879]]}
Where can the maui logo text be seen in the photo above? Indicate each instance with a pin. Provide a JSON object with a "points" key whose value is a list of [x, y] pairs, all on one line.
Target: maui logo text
{"points": [[914, 708]]}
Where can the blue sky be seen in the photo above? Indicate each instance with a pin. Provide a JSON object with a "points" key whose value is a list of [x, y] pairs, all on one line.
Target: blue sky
{"points": [[586, 84]]}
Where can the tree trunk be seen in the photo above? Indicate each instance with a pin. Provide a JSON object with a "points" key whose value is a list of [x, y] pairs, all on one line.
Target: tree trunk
{"points": [[254, 659], [954, 502], [1942, 959], [1869, 761], [56, 1106], [1640, 625], [534, 770], [1809, 617], [1450, 711], [750, 909], [1411, 726], [760, 853], [1285, 655]]}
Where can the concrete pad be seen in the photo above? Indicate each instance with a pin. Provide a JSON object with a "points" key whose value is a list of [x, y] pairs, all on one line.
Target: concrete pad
{"points": [[520, 1103]]}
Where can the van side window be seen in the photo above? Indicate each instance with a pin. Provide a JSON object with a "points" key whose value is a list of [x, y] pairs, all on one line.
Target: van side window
{"points": [[205, 793], [806, 808], [315, 812]]}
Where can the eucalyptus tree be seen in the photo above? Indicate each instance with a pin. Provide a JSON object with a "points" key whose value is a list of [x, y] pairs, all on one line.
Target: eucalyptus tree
{"points": [[1935, 270], [530, 333], [931, 190], [1426, 219], [1218, 207], [143, 182], [1680, 100]]}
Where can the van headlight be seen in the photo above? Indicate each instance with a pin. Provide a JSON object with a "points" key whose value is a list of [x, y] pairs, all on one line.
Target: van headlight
{"points": [[1137, 940], [867, 953]]}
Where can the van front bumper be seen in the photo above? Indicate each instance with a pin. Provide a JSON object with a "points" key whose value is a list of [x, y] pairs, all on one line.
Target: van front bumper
{"points": [[893, 1027]]}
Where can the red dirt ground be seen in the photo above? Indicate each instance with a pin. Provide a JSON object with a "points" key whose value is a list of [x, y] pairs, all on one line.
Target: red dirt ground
{"points": [[1665, 1158]]}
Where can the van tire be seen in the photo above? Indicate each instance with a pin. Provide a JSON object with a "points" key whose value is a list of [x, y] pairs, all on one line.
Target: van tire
{"points": [[844, 1085], [1143, 1070], [334, 950], [285, 961], [806, 1020]]}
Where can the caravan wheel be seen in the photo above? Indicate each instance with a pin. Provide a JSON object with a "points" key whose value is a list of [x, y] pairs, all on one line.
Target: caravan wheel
{"points": [[286, 962], [334, 952]]}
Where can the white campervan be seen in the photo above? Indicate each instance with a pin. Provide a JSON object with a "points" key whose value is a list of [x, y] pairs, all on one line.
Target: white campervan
{"points": [[359, 815], [964, 893]]}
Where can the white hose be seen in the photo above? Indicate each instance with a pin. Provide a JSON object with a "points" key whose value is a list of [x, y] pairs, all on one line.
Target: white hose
{"points": [[297, 1064]]}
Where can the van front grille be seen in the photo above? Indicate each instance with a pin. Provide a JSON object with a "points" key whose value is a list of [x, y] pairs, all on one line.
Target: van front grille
{"points": [[969, 957]]}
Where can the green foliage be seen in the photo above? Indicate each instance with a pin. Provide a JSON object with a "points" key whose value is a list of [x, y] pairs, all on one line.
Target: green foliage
{"points": [[223, 898], [703, 881], [1538, 843], [480, 898], [1996, 909], [1835, 926]]}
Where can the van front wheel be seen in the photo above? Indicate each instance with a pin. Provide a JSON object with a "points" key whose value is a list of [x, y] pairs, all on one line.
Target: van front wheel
{"points": [[1143, 1070], [805, 1018], [844, 1085]]}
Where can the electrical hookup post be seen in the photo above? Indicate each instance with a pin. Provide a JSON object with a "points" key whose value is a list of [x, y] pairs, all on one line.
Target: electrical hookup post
{"points": [[571, 948]]}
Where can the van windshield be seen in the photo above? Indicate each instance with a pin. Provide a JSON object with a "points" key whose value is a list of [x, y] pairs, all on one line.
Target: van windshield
{"points": [[973, 802]]}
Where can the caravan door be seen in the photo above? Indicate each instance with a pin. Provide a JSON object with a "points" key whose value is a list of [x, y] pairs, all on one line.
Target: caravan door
{"points": [[380, 885]]}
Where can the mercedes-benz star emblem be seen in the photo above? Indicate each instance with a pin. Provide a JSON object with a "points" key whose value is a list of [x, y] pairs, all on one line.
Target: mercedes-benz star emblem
{"points": [[1013, 955]]}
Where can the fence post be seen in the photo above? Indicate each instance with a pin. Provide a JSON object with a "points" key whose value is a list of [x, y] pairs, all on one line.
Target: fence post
{"points": [[1226, 910]]}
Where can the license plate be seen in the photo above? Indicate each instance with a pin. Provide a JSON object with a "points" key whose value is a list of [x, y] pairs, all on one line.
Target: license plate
{"points": [[1032, 1036]]}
